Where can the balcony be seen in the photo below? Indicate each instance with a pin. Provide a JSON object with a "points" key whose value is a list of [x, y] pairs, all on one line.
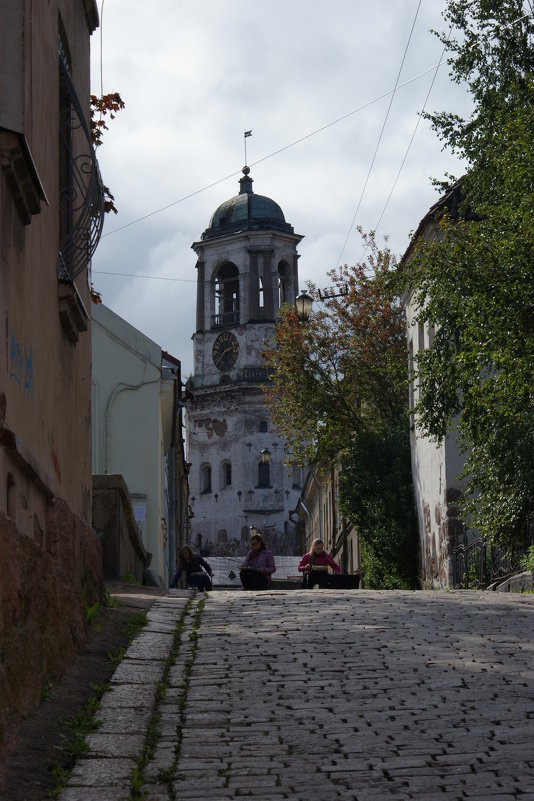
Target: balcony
{"points": [[224, 319], [81, 193]]}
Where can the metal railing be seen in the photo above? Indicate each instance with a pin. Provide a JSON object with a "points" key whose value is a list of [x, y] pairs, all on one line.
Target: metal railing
{"points": [[82, 193], [476, 565], [225, 318]]}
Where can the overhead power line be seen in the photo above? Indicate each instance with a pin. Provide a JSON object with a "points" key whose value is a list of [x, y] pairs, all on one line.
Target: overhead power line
{"points": [[351, 227], [274, 153], [150, 277]]}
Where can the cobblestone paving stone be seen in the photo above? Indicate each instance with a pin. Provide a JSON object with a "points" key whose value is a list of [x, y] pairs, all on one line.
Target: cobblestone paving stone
{"points": [[321, 695]]}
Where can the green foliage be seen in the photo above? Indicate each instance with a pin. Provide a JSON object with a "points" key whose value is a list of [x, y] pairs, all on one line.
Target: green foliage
{"points": [[136, 623], [377, 494], [339, 394], [48, 692], [78, 726], [129, 578], [527, 561], [344, 369], [91, 612], [474, 284], [108, 600]]}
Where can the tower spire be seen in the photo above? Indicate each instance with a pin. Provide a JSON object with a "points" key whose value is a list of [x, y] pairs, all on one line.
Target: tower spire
{"points": [[245, 183]]}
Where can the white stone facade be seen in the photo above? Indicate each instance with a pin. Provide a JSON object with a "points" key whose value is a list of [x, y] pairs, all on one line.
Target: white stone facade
{"points": [[436, 467], [244, 276]]}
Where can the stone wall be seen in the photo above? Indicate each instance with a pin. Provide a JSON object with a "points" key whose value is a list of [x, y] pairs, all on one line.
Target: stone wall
{"points": [[123, 552], [44, 595]]}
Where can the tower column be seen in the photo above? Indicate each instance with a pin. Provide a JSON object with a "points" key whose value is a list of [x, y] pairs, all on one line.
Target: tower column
{"points": [[253, 296], [268, 286], [295, 277], [200, 295]]}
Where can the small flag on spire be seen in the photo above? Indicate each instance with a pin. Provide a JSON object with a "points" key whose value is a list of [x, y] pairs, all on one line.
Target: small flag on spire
{"points": [[248, 133]]}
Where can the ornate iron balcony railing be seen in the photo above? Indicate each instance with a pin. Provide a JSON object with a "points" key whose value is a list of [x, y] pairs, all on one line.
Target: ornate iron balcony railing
{"points": [[81, 193]]}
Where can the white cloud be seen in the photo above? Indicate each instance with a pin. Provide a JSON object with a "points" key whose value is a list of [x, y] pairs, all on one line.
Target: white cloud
{"points": [[195, 74]]}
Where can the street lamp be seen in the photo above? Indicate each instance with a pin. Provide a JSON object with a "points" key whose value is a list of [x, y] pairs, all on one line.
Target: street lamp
{"points": [[303, 304], [252, 531], [265, 456]]}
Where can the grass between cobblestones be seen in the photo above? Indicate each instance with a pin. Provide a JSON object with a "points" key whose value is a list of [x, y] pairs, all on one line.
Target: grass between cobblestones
{"points": [[153, 732], [84, 722]]}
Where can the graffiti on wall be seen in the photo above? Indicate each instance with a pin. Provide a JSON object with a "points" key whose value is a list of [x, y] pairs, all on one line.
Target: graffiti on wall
{"points": [[21, 364]]}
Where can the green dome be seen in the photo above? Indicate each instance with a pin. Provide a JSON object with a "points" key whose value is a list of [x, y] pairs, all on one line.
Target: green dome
{"points": [[246, 212]]}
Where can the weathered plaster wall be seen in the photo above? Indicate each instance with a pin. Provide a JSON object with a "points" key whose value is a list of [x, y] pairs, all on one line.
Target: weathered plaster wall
{"points": [[51, 561], [223, 516], [123, 552], [44, 595], [436, 468], [127, 431]]}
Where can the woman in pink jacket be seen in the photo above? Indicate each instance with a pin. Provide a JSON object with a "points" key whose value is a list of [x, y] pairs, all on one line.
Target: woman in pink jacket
{"points": [[258, 567], [314, 565]]}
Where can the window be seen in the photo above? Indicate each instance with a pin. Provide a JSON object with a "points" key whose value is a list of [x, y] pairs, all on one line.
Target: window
{"points": [[227, 295], [283, 284], [205, 479], [263, 427], [226, 474], [264, 477]]}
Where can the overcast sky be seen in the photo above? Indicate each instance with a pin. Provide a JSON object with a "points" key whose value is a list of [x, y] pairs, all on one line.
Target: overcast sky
{"points": [[313, 81]]}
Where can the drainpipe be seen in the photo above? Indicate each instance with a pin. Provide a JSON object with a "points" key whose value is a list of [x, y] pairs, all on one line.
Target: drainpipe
{"points": [[107, 417]]}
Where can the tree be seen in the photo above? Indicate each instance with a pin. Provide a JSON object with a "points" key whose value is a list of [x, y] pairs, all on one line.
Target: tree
{"points": [[474, 284], [100, 107], [339, 392]]}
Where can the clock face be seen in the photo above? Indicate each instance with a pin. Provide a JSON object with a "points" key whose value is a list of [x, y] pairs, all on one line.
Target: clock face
{"points": [[225, 351]]}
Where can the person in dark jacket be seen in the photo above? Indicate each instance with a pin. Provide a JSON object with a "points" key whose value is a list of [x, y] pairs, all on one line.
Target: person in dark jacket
{"points": [[197, 570]]}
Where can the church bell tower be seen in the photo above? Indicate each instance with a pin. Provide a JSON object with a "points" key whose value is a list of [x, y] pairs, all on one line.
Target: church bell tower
{"points": [[246, 269]]}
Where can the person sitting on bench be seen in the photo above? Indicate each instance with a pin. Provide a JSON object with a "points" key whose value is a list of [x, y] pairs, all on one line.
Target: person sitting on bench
{"points": [[314, 566], [258, 567]]}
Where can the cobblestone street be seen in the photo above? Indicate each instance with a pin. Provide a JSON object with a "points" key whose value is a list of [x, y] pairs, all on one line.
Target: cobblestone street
{"points": [[321, 695]]}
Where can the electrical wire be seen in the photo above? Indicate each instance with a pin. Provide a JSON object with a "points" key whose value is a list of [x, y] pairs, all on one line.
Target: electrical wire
{"points": [[102, 48], [419, 118], [149, 277], [274, 153], [391, 92], [420, 115], [351, 227]]}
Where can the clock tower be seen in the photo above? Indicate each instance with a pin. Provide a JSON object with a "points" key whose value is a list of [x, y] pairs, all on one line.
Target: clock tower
{"points": [[246, 269]]}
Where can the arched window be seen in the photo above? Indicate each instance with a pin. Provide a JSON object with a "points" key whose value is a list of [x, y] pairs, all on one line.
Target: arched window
{"points": [[284, 284], [227, 295], [263, 427], [205, 479], [264, 477], [226, 474]]}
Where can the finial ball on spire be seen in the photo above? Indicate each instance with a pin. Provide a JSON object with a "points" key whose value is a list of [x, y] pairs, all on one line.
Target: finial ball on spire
{"points": [[245, 170]]}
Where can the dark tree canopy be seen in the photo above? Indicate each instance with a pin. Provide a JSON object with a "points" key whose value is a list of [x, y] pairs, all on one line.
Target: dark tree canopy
{"points": [[474, 284], [339, 395]]}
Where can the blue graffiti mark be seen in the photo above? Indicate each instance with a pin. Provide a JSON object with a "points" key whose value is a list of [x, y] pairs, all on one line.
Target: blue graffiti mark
{"points": [[15, 359], [21, 366], [28, 371]]}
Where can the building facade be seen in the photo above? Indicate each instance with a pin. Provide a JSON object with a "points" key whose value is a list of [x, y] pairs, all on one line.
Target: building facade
{"points": [[137, 434], [247, 268], [436, 467], [51, 216], [318, 517]]}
